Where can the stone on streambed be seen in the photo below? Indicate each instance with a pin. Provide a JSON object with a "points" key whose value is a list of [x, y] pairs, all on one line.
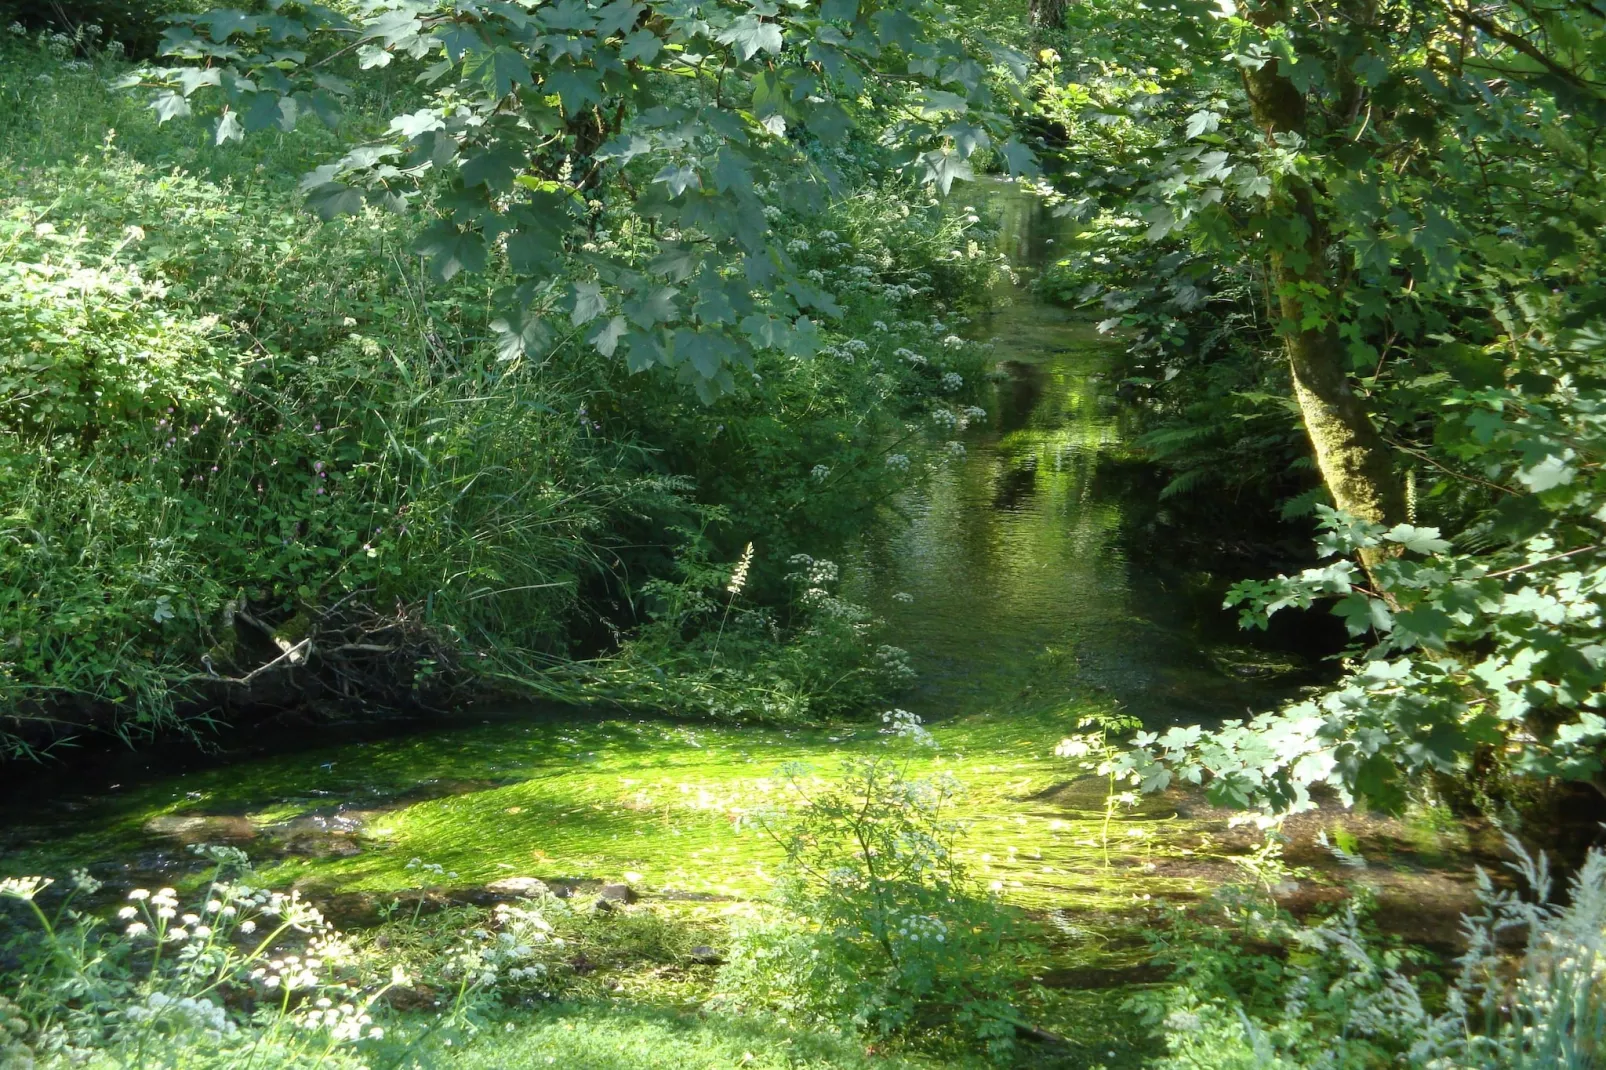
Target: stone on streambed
{"points": [[616, 893], [703, 955], [523, 887], [202, 828]]}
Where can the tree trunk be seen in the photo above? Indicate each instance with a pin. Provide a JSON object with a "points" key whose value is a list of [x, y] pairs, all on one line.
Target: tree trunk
{"points": [[1046, 14], [1351, 455]]}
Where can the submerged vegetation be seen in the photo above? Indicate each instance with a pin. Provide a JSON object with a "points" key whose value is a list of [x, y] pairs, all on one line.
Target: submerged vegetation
{"points": [[653, 400]]}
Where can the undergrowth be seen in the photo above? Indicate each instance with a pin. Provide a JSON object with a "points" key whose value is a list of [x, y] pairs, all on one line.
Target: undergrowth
{"points": [[251, 461]]}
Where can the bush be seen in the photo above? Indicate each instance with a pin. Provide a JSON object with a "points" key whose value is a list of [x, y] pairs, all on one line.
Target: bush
{"points": [[877, 926], [246, 974]]}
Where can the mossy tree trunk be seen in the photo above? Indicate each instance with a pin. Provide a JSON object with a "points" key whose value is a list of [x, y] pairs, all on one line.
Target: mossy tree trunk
{"points": [[1353, 458]]}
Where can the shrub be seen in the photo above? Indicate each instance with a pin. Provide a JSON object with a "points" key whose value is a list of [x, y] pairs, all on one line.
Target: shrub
{"points": [[245, 974], [877, 925]]}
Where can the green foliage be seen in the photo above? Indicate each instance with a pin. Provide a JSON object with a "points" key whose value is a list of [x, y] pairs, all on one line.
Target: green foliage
{"points": [[1220, 419], [534, 124], [348, 460], [879, 926], [1432, 162], [1492, 646], [249, 977], [708, 651], [247, 974], [1255, 989]]}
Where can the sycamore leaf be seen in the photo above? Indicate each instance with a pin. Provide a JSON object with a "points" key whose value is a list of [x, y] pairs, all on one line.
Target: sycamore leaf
{"points": [[588, 303], [941, 168], [575, 89], [228, 127], [766, 332], [644, 350], [642, 45], [617, 17], [330, 199], [1202, 122], [731, 172], [655, 305], [1018, 158], [421, 121], [897, 27], [707, 351], [451, 250], [968, 137], [520, 332], [192, 78], [498, 70], [749, 36], [1553, 471], [170, 106], [803, 340], [459, 38], [678, 178], [1361, 613], [1421, 540], [493, 168], [606, 337], [829, 123]]}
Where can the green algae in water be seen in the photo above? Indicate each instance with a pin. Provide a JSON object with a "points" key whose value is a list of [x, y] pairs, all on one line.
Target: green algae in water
{"points": [[595, 800]]}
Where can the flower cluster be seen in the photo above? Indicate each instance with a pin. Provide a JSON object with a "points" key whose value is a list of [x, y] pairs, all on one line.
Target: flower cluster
{"points": [[343, 1021], [901, 724], [921, 928], [182, 1012], [509, 954]]}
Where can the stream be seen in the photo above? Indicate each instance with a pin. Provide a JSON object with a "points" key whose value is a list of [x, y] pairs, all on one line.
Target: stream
{"points": [[1019, 586]]}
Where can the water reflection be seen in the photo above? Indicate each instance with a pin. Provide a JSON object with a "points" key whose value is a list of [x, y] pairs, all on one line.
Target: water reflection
{"points": [[1020, 547]]}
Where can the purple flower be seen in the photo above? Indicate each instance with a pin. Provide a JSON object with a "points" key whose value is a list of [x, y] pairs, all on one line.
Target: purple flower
{"points": [[317, 466]]}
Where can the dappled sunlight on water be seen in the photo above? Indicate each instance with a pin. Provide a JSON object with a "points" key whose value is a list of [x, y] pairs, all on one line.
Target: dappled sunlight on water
{"points": [[1021, 548]]}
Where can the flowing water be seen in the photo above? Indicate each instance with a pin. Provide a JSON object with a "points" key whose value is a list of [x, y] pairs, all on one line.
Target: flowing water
{"points": [[1027, 546], [1020, 586]]}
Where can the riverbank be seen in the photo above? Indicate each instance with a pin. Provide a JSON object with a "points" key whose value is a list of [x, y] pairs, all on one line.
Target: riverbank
{"points": [[1026, 614]]}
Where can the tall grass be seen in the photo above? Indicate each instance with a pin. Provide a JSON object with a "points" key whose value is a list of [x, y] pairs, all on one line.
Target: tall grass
{"points": [[238, 445]]}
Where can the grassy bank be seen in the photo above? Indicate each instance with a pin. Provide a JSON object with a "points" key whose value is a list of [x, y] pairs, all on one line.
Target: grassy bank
{"points": [[254, 461]]}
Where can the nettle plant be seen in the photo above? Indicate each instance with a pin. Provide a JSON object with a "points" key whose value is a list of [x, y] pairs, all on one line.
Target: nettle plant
{"points": [[534, 118]]}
